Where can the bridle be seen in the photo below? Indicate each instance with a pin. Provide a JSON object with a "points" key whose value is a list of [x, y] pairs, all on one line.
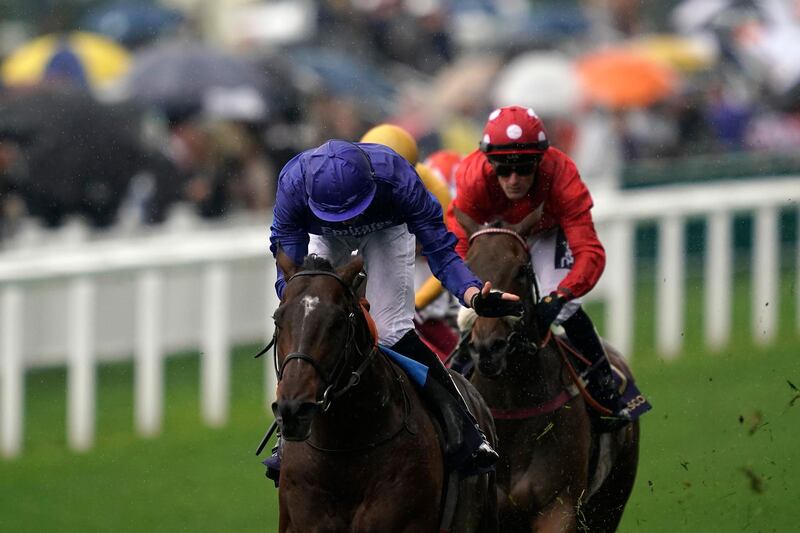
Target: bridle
{"points": [[502, 231], [334, 388], [519, 340]]}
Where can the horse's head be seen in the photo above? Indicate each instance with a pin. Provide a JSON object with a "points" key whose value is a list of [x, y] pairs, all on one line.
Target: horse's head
{"points": [[316, 333], [498, 253]]}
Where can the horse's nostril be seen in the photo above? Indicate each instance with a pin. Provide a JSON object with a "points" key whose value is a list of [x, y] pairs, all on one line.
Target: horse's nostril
{"points": [[295, 418]]}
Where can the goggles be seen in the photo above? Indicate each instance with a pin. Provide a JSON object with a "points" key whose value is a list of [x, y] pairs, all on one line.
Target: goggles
{"points": [[523, 168]]}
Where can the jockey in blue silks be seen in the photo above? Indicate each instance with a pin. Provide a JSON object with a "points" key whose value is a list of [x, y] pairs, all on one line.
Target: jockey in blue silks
{"points": [[343, 196]]}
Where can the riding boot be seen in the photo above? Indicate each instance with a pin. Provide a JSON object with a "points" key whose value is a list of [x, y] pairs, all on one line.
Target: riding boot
{"points": [[462, 431], [273, 462], [600, 384]]}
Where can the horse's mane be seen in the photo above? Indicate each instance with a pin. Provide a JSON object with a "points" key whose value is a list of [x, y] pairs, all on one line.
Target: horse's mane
{"points": [[316, 262]]}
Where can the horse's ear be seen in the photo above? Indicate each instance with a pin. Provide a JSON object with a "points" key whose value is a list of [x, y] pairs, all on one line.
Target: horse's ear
{"points": [[286, 264], [469, 225], [349, 271], [527, 223]]}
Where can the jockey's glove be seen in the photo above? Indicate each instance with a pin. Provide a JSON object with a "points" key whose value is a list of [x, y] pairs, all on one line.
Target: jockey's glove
{"points": [[494, 306], [547, 310]]}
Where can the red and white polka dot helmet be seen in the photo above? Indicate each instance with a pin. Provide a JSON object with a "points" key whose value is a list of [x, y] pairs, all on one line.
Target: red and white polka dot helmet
{"points": [[514, 130]]}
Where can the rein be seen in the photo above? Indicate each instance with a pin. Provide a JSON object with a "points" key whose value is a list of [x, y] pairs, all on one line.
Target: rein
{"points": [[404, 426], [519, 340], [330, 381]]}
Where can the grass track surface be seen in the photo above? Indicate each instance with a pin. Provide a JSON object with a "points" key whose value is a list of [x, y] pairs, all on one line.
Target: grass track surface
{"points": [[719, 452]]}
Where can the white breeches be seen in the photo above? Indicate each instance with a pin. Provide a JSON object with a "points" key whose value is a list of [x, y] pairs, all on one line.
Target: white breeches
{"points": [[389, 263], [552, 260]]}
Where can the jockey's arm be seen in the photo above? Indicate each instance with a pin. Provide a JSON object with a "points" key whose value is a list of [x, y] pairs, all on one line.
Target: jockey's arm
{"points": [[423, 215], [288, 227], [432, 287], [590, 259], [575, 218]]}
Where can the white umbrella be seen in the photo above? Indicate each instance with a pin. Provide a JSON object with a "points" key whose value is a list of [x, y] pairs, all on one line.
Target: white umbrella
{"points": [[544, 81]]}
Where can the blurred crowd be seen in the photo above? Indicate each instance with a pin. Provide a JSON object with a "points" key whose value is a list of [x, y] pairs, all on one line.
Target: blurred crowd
{"points": [[112, 110]]}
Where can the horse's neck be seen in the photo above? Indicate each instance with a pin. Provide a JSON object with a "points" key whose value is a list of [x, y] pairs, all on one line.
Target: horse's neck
{"points": [[529, 379], [365, 412], [537, 376]]}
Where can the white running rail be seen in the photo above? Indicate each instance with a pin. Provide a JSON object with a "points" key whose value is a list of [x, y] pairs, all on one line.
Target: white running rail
{"points": [[671, 206], [212, 288], [193, 267]]}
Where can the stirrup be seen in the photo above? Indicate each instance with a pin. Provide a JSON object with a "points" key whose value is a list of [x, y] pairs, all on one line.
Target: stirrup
{"points": [[609, 424], [619, 417]]}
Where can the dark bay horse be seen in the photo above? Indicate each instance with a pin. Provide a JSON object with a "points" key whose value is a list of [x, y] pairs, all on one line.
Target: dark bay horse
{"points": [[361, 452], [555, 473]]}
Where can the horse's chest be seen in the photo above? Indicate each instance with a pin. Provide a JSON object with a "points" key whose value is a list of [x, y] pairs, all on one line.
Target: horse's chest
{"points": [[372, 492], [539, 460]]}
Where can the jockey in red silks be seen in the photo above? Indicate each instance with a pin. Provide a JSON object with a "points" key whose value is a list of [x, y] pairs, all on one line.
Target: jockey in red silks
{"points": [[514, 172]]}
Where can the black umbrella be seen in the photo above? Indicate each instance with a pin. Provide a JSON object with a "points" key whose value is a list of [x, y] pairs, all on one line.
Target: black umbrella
{"points": [[80, 155], [183, 77]]}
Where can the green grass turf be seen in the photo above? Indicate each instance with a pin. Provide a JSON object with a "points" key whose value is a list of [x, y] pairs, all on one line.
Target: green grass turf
{"points": [[719, 450], [191, 478]]}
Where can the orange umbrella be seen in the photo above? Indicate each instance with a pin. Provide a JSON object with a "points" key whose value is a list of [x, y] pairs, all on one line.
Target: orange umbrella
{"points": [[623, 79]]}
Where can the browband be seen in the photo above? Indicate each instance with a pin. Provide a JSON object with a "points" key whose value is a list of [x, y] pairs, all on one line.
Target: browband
{"points": [[504, 231]]}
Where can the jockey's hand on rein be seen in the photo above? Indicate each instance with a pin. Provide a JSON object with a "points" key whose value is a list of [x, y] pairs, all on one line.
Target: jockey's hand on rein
{"points": [[547, 310], [493, 305]]}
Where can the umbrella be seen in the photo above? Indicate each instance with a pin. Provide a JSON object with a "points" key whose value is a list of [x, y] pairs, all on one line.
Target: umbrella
{"points": [[132, 23], [544, 81], [80, 56], [182, 77], [620, 79], [80, 154]]}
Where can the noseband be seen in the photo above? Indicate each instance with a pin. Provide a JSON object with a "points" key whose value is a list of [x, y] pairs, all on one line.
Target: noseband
{"points": [[331, 380]]}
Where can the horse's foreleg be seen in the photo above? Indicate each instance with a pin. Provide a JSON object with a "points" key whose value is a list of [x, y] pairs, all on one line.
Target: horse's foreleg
{"points": [[604, 510], [561, 516]]}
